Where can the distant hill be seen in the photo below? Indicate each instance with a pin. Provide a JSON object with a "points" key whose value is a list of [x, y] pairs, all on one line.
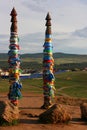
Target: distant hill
{"points": [[34, 61], [55, 55], [35, 55], [66, 55], [4, 56]]}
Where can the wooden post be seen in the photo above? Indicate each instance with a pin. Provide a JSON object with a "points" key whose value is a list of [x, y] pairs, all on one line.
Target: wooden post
{"points": [[48, 63], [14, 62]]}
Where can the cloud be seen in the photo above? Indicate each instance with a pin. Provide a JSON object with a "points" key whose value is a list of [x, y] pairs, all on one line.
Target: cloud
{"points": [[70, 46], [4, 43], [36, 6], [32, 43], [62, 42], [73, 42], [4, 36], [83, 1], [81, 33], [67, 42]]}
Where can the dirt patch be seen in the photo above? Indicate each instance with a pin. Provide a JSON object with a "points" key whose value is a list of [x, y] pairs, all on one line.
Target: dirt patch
{"points": [[70, 100], [29, 107]]}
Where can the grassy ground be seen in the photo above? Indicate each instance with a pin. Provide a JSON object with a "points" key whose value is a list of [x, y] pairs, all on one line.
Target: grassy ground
{"points": [[70, 83], [70, 60], [58, 60]]}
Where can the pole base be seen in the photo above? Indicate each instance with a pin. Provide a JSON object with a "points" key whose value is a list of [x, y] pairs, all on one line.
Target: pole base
{"points": [[47, 103]]}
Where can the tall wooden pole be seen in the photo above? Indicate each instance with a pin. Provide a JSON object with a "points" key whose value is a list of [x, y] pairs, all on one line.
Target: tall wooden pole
{"points": [[14, 61], [48, 63]]}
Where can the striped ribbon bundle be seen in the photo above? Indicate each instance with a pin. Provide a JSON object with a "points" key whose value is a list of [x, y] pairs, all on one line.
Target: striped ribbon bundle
{"points": [[48, 63], [14, 63]]}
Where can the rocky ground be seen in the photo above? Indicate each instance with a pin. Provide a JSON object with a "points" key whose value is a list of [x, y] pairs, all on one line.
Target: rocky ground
{"points": [[30, 109]]}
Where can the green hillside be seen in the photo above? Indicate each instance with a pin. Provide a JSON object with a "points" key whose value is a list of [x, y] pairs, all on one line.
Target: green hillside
{"points": [[34, 61], [55, 55], [4, 56]]}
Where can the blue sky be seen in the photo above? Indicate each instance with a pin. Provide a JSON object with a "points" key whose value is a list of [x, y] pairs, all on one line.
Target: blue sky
{"points": [[69, 25]]}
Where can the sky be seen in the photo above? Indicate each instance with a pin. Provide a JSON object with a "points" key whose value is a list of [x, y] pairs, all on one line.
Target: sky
{"points": [[69, 25]]}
